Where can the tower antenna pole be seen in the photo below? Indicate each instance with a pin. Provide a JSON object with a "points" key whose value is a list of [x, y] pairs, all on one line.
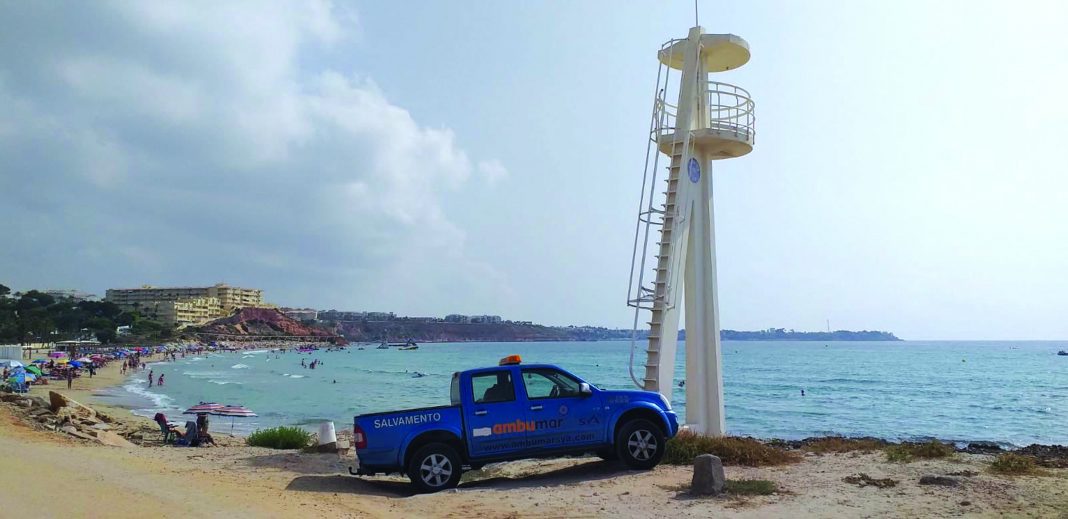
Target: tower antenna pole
{"points": [[696, 20]]}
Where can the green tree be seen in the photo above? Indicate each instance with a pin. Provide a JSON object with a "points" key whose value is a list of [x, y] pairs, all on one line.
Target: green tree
{"points": [[106, 336]]}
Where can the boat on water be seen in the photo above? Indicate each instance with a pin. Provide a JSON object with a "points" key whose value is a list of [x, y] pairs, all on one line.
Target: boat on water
{"points": [[409, 348], [1063, 353], [409, 345]]}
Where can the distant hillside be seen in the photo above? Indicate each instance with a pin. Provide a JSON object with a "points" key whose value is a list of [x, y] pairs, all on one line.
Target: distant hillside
{"points": [[251, 323], [402, 329], [260, 322], [779, 334]]}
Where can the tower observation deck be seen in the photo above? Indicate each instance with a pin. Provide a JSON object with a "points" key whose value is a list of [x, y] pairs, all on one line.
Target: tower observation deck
{"points": [[709, 121]]}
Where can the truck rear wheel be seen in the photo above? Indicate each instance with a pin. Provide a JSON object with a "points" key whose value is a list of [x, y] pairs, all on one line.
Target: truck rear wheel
{"points": [[640, 444], [434, 467]]}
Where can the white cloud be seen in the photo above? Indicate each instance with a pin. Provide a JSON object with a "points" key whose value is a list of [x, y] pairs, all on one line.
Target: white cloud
{"points": [[196, 143], [492, 171]]}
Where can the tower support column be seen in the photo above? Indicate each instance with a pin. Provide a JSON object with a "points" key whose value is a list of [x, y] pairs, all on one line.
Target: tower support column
{"points": [[704, 375]]}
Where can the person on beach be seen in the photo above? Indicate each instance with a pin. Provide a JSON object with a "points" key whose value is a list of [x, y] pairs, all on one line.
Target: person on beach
{"points": [[160, 381], [70, 377], [92, 370], [149, 378]]}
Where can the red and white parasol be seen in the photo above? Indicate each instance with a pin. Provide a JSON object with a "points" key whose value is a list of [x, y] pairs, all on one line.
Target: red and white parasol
{"points": [[234, 412], [204, 408]]}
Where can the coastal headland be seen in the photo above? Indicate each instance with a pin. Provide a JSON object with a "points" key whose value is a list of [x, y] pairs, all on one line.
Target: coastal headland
{"points": [[251, 323]]}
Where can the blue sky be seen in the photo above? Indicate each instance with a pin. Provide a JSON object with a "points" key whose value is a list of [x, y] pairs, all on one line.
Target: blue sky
{"points": [[485, 157]]}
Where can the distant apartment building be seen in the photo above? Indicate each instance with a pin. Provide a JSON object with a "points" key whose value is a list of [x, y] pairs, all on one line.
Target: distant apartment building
{"points": [[184, 312], [336, 315], [183, 306], [301, 314], [472, 319], [230, 298], [76, 295]]}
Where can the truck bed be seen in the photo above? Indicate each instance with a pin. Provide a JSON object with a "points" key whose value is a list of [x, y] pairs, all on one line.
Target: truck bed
{"points": [[388, 433]]}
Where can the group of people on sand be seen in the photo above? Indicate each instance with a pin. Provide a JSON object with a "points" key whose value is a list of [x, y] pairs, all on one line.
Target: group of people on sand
{"points": [[132, 362], [195, 434]]}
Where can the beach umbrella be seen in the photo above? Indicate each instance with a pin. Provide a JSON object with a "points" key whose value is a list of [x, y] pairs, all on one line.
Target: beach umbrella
{"points": [[204, 408], [75, 363], [62, 361], [10, 364], [234, 412], [34, 369], [57, 354], [84, 360], [40, 361]]}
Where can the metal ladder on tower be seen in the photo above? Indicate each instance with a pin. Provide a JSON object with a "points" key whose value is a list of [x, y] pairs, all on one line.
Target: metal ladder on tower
{"points": [[662, 285], [658, 296]]}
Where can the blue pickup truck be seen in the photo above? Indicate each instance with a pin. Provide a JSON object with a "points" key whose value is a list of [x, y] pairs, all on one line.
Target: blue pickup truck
{"points": [[509, 412]]}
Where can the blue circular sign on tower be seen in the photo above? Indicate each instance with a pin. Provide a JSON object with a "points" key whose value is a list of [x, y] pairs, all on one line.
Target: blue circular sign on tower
{"points": [[694, 168]]}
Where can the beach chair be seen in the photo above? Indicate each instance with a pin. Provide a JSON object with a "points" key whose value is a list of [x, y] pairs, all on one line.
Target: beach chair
{"points": [[165, 431]]}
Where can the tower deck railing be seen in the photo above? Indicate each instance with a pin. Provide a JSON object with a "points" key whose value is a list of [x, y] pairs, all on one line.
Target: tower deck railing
{"points": [[730, 109]]}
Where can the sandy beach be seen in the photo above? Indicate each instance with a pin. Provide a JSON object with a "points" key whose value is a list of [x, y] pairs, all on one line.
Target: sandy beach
{"points": [[239, 481]]}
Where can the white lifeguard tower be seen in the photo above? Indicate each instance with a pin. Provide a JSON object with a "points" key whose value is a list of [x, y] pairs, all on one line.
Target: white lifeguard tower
{"points": [[711, 121]]}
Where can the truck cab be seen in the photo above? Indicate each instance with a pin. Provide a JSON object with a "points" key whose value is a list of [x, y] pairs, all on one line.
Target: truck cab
{"points": [[513, 411]]}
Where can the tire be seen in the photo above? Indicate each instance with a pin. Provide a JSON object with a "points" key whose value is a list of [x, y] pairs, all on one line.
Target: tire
{"points": [[640, 444], [434, 467]]}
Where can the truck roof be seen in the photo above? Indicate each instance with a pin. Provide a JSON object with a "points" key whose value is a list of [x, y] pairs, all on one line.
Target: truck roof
{"points": [[494, 368]]}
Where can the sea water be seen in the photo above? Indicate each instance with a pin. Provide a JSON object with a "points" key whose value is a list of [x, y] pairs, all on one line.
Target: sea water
{"points": [[1009, 392]]}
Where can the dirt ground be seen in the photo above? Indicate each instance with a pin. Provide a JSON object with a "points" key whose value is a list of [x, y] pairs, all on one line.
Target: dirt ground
{"points": [[59, 477]]}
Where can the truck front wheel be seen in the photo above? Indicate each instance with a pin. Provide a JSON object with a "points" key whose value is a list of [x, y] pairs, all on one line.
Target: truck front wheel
{"points": [[640, 444], [434, 467]]}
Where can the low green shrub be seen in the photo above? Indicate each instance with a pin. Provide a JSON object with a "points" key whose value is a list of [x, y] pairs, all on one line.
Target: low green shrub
{"points": [[1014, 464], [732, 450], [907, 452], [280, 438], [751, 487]]}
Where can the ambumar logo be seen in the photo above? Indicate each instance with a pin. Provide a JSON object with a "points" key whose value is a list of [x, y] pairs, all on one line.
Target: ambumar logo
{"points": [[517, 426]]}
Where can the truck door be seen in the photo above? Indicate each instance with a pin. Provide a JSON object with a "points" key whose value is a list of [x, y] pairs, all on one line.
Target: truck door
{"points": [[495, 419], [562, 416]]}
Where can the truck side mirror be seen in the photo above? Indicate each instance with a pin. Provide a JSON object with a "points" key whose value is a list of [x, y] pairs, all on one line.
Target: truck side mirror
{"points": [[584, 389]]}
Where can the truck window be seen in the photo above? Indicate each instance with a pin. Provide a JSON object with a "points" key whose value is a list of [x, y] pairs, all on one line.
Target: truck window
{"points": [[496, 386], [454, 390], [549, 383]]}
